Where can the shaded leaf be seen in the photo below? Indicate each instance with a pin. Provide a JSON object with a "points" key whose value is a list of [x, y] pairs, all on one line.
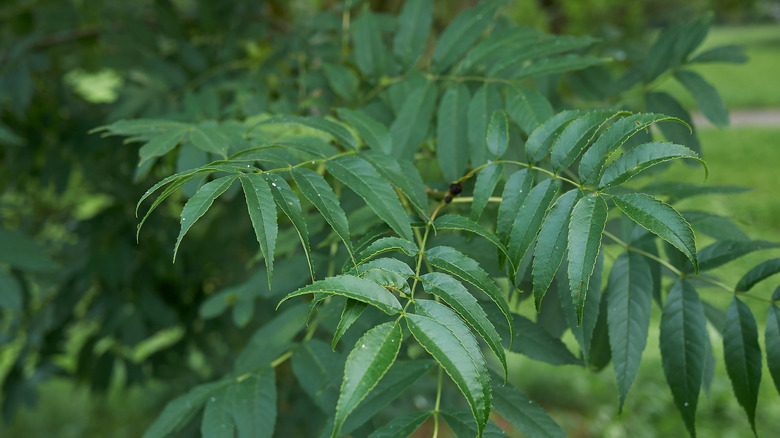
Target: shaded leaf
{"points": [[375, 134], [556, 65], [464, 427], [210, 139], [760, 272], [342, 80], [336, 129], [528, 220], [659, 102], [743, 356], [318, 192], [452, 147], [411, 126], [217, 416], [577, 135], [722, 252], [288, 202], [253, 402], [369, 52], [179, 411], [352, 311], [542, 138], [516, 189], [588, 218], [352, 287], [387, 244], [528, 108], [11, 298], [414, 24], [772, 339], [483, 104], [462, 32], [262, 212], [534, 341], [458, 222], [200, 203], [642, 157], [403, 175], [729, 53], [707, 97], [524, 414], [401, 426], [497, 135], [487, 180], [162, 143]]}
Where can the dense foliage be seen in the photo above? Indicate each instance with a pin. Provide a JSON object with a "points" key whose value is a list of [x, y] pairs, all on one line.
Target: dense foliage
{"points": [[377, 204]]}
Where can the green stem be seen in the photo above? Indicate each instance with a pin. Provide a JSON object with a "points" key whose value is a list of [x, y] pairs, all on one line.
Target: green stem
{"points": [[436, 406]]}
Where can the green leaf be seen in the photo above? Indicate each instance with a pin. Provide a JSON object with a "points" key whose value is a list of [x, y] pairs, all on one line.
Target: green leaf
{"points": [[532, 340], [453, 293], [179, 411], [210, 139], [501, 43], [400, 377], [588, 218], [515, 191], [462, 32], [465, 427], [370, 52], [375, 134], [319, 372], [458, 222], [674, 45], [318, 192], [199, 204], [707, 97], [497, 134], [542, 138], [529, 219], [11, 298], [660, 219], [680, 133], [442, 334], [217, 416], [352, 287], [162, 143], [414, 24], [551, 243], [387, 244], [760, 272], [367, 363], [772, 338], [452, 147], [336, 129], [403, 175], [630, 297], [352, 311], [528, 108], [138, 128], [593, 160], [254, 404], [271, 340], [524, 414], [535, 55], [642, 157], [288, 202], [577, 135], [262, 212], [683, 348], [456, 263], [724, 251], [743, 356], [411, 126], [729, 53], [342, 80], [21, 251], [556, 65], [401, 426], [483, 104], [487, 180], [359, 175]]}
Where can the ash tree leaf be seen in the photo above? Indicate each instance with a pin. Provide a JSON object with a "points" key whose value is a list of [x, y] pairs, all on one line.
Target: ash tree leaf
{"points": [[400, 377], [403, 175], [485, 101], [497, 134], [319, 372], [452, 144], [551, 243], [630, 297], [685, 133], [729, 53], [577, 135], [524, 414], [262, 212], [414, 25], [660, 219], [528, 220], [532, 340], [588, 219], [288, 202], [401, 426], [515, 191], [556, 65], [743, 356], [210, 139], [760, 272], [683, 349], [342, 80], [642, 157], [359, 175], [615, 136], [442, 334], [453, 293], [374, 133], [499, 44], [528, 108], [217, 416], [453, 261], [318, 192], [387, 244], [368, 362], [724, 251], [458, 222], [772, 339], [352, 311], [463, 426], [253, 402], [338, 131], [487, 180], [352, 287], [200, 203], [411, 126], [179, 411], [162, 143], [370, 52], [462, 32], [707, 97], [542, 138]]}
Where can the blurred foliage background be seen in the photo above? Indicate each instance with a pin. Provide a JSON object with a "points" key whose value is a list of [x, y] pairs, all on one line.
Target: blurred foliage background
{"points": [[97, 331]]}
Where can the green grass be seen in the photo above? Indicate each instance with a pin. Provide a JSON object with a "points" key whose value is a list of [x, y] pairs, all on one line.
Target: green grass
{"points": [[750, 85]]}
